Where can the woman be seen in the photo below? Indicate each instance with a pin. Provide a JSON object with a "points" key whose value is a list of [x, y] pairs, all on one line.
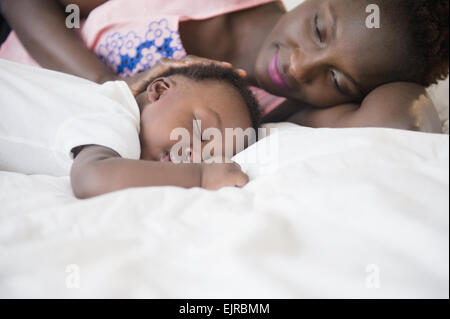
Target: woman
{"points": [[321, 56]]}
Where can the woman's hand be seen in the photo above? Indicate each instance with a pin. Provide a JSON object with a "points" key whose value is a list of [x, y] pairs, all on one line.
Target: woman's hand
{"points": [[138, 83]]}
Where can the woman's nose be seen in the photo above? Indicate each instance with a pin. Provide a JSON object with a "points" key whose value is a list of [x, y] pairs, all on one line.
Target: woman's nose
{"points": [[302, 65]]}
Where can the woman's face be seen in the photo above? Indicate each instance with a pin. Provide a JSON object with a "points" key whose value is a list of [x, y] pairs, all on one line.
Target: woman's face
{"points": [[321, 53]]}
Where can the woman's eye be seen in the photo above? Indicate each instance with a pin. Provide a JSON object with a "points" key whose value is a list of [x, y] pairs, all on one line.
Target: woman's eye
{"points": [[316, 26], [335, 82]]}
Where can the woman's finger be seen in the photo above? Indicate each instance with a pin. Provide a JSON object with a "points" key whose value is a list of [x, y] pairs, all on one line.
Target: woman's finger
{"points": [[139, 82], [191, 60], [194, 60], [241, 72]]}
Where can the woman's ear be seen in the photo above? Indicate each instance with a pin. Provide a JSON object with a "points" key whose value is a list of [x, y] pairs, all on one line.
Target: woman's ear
{"points": [[157, 88]]}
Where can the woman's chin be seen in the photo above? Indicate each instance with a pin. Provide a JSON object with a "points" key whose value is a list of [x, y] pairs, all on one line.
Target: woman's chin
{"points": [[264, 82]]}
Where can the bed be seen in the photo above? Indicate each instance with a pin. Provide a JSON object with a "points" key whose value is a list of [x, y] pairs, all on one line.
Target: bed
{"points": [[328, 213], [340, 213]]}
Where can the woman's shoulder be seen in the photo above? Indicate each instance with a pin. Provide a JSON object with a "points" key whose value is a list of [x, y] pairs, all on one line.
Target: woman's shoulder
{"points": [[131, 38], [194, 9]]}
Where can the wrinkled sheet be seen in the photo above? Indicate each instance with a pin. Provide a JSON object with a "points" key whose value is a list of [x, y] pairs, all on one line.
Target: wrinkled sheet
{"points": [[328, 213]]}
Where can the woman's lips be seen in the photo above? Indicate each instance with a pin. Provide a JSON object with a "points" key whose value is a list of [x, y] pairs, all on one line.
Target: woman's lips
{"points": [[274, 73]]}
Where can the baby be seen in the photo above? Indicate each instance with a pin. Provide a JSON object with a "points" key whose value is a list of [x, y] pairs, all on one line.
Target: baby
{"points": [[107, 140]]}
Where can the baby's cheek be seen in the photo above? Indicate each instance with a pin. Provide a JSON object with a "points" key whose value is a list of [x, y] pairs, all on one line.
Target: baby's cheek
{"points": [[146, 154], [147, 139]]}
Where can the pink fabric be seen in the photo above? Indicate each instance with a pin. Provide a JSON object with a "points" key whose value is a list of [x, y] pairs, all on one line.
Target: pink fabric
{"points": [[267, 102], [132, 38]]}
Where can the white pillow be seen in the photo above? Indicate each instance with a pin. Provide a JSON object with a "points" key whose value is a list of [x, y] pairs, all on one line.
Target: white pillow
{"points": [[291, 4], [439, 95]]}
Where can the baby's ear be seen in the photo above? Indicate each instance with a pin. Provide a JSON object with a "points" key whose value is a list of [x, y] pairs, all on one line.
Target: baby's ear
{"points": [[157, 88]]}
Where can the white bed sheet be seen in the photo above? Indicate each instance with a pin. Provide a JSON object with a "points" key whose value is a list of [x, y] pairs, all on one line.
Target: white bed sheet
{"points": [[340, 213]]}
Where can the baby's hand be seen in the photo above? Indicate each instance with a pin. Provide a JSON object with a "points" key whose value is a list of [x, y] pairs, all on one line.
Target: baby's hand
{"points": [[218, 175]]}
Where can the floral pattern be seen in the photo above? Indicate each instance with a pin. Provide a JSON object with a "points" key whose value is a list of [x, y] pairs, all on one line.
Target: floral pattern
{"points": [[131, 53]]}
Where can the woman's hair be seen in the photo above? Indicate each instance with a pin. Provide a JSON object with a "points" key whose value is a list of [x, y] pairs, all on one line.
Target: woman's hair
{"points": [[427, 37], [227, 75]]}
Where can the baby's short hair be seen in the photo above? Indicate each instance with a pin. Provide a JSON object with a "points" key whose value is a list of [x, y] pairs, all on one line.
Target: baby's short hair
{"points": [[227, 75]]}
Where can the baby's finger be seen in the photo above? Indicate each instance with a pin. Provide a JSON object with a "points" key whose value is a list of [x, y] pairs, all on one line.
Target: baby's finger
{"points": [[241, 179]]}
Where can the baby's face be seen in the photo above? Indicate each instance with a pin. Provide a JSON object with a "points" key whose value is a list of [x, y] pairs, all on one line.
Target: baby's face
{"points": [[178, 102]]}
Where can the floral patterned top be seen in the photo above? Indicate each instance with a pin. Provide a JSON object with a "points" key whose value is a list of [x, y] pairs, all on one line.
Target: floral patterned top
{"points": [[128, 53], [131, 36]]}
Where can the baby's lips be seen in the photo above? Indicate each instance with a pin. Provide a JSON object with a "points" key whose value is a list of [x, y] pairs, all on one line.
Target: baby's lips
{"points": [[164, 157]]}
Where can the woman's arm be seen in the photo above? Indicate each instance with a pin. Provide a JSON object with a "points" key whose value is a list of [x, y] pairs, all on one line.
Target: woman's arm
{"points": [[41, 27], [98, 170], [398, 105]]}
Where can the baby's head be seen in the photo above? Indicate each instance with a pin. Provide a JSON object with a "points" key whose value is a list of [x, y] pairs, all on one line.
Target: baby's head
{"points": [[194, 99]]}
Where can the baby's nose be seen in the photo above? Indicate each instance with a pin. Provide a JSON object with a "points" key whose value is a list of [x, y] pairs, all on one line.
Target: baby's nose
{"points": [[191, 155]]}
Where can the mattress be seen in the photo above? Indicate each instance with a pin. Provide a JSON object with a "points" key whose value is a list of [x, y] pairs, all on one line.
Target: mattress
{"points": [[328, 213]]}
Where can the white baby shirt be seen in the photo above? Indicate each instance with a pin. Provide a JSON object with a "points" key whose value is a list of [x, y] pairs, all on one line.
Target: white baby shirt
{"points": [[45, 114]]}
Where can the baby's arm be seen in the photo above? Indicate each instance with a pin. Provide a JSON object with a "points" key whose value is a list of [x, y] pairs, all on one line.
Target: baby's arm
{"points": [[97, 170]]}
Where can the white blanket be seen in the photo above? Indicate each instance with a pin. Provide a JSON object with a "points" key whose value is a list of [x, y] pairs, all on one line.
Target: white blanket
{"points": [[340, 213]]}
